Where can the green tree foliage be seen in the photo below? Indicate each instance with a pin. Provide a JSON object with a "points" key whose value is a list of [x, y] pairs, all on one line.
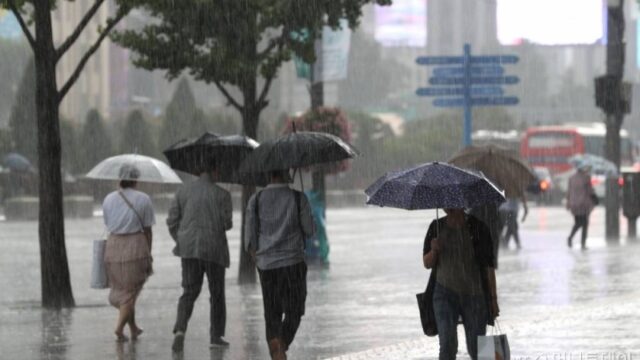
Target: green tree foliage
{"points": [[369, 135], [22, 121], [137, 136], [95, 142], [431, 139], [222, 124], [361, 90], [182, 118], [5, 142], [233, 43], [14, 55]]}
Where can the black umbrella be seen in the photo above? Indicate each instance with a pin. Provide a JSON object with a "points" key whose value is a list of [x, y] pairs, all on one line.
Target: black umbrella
{"points": [[196, 155], [297, 150]]}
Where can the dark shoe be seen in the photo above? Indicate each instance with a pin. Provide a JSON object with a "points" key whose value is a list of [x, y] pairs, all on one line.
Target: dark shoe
{"points": [[569, 242], [178, 342], [584, 247], [218, 342]]}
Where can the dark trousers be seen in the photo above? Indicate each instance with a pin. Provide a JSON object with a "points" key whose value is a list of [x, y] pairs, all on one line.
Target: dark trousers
{"points": [[511, 223], [193, 271], [284, 291], [448, 306], [580, 221]]}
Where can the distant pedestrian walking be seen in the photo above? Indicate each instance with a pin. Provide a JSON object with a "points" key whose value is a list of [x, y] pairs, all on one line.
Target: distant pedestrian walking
{"points": [[580, 201], [509, 211], [128, 216], [199, 217], [278, 220], [462, 284]]}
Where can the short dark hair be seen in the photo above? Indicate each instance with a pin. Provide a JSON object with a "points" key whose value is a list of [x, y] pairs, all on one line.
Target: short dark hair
{"points": [[280, 174], [127, 183]]}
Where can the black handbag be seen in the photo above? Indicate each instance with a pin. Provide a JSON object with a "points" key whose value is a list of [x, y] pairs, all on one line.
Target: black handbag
{"points": [[427, 316], [594, 199]]}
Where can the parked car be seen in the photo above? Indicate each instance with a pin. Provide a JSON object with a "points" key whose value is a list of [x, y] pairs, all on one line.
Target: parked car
{"points": [[544, 190]]}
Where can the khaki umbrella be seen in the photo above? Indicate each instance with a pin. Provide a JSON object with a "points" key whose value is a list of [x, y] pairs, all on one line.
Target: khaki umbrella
{"points": [[502, 166]]}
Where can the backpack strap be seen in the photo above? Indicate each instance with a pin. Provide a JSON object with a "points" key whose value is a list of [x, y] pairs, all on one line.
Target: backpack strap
{"points": [[133, 209], [297, 195], [256, 209]]}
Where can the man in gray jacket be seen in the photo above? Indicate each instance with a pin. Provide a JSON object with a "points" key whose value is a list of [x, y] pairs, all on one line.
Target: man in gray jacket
{"points": [[198, 219], [277, 222]]}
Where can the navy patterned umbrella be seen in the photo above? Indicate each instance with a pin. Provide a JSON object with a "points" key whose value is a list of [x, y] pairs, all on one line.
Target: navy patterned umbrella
{"points": [[432, 186]]}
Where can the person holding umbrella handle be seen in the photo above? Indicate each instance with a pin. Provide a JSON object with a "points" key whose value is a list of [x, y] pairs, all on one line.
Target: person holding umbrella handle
{"points": [[458, 249]]}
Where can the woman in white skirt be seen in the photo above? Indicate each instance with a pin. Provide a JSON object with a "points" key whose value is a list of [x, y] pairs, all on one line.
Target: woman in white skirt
{"points": [[128, 216]]}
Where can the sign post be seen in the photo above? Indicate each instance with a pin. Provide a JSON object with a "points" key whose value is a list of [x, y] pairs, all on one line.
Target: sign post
{"points": [[473, 81]]}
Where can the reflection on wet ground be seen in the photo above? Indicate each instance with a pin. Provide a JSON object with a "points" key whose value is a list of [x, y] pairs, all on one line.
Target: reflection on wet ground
{"points": [[552, 298]]}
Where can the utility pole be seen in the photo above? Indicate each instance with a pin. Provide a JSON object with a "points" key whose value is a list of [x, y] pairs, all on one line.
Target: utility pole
{"points": [[610, 96], [317, 100]]}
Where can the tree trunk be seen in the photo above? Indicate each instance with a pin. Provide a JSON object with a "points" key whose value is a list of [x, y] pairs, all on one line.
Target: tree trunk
{"points": [[317, 100], [54, 268], [250, 118]]}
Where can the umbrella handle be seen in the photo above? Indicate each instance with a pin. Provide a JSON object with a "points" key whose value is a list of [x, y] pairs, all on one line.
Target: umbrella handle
{"points": [[437, 223], [301, 182]]}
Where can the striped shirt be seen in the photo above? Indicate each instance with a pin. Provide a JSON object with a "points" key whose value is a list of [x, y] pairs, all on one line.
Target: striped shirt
{"points": [[284, 226]]}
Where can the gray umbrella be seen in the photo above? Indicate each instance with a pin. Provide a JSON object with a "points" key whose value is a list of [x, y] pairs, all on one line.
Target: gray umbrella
{"points": [[297, 150]]}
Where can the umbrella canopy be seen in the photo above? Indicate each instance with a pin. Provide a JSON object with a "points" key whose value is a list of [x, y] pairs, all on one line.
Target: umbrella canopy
{"points": [[502, 166], [297, 150], [599, 165], [17, 162], [134, 167], [431, 186], [196, 155]]}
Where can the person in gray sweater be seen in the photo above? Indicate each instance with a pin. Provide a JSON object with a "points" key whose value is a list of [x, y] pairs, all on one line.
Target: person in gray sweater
{"points": [[278, 220], [198, 220]]}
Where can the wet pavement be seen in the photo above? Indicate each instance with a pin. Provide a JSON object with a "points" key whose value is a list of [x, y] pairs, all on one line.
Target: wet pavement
{"points": [[555, 303]]}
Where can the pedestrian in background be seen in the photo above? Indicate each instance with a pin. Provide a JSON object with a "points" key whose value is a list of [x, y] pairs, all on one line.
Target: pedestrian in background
{"points": [[128, 216], [580, 201], [199, 217], [278, 220], [459, 250], [509, 211]]}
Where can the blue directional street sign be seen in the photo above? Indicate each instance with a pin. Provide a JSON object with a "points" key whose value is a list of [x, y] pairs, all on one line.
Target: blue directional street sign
{"points": [[495, 101], [485, 80], [466, 81], [459, 91], [449, 102], [475, 71], [480, 101], [451, 60]]}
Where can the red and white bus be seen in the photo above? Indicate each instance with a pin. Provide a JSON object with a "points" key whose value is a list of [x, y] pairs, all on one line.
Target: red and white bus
{"points": [[552, 146]]}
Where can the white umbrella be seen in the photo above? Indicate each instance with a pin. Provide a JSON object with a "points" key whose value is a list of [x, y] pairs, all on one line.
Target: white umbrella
{"points": [[150, 169]]}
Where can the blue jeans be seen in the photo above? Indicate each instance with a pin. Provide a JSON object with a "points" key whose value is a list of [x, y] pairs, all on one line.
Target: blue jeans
{"points": [[448, 306]]}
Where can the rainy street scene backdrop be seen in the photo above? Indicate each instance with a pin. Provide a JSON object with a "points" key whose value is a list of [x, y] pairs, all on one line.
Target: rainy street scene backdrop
{"points": [[309, 179]]}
